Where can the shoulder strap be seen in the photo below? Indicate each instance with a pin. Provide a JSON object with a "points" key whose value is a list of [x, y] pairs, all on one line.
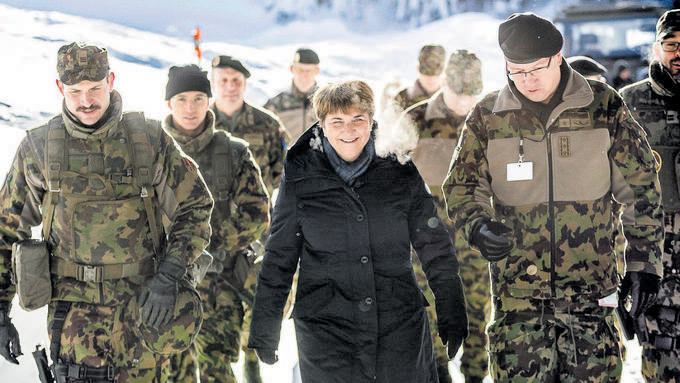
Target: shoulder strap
{"points": [[142, 154], [222, 164], [56, 160]]}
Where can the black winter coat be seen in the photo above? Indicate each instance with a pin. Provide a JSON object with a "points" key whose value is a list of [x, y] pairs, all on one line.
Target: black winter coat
{"points": [[359, 314]]}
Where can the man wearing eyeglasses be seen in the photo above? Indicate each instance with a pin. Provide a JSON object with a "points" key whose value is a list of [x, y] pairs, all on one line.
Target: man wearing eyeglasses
{"points": [[655, 103], [538, 166]]}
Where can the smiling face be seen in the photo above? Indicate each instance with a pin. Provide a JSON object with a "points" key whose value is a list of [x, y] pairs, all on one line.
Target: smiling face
{"points": [[189, 109], [540, 85], [347, 131], [88, 100]]}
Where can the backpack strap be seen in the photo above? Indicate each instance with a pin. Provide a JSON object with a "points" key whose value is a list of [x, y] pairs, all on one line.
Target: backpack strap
{"points": [[56, 160], [142, 154], [222, 163]]}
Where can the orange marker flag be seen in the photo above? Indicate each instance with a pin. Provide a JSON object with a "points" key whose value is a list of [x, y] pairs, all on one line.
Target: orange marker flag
{"points": [[197, 42]]}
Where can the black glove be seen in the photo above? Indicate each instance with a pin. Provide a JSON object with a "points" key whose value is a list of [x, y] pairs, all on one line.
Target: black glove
{"points": [[452, 321], [157, 300], [643, 288], [9, 337], [488, 237], [267, 355]]}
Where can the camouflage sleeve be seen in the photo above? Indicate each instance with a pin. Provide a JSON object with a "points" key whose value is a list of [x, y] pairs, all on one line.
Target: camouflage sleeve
{"points": [[635, 184], [401, 99], [250, 214], [20, 209], [185, 200], [272, 175], [467, 187]]}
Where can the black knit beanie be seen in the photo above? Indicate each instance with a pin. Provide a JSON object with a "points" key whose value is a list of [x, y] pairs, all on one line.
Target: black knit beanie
{"points": [[187, 78]]}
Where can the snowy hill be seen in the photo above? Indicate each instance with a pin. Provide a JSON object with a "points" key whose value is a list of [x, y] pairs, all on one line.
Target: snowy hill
{"points": [[29, 41]]}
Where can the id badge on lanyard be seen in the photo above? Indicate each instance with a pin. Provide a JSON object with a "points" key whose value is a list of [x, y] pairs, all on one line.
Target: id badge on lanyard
{"points": [[520, 170]]}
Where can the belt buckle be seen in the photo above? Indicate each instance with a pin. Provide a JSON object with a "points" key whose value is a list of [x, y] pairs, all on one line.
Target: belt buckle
{"points": [[89, 273]]}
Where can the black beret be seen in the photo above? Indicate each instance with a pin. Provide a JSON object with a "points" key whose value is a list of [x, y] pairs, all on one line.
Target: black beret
{"points": [[586, 66], [186, 78], [526, 37], [230, 62], [306, 56]]}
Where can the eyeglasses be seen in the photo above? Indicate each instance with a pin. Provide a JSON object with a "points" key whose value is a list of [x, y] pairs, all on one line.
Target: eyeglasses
{"points": [[514, 76], [669, 46]]}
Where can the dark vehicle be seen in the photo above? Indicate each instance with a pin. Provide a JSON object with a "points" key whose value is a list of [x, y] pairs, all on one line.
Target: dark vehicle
{"points": [[614, 33]]}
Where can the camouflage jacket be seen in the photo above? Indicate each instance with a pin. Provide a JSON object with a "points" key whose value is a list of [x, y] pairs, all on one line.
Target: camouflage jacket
{"points": [[264, 133], [591, 152], [99, 216], [241, 212], [411, 95], [655, 103], [438, 129], [295, 110]]}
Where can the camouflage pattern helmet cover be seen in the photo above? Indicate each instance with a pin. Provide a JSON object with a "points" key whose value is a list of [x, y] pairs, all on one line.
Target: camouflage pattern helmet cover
{"points": [[668, 23], [464, 73], [178, 334], [431, 60], [78, 62]]}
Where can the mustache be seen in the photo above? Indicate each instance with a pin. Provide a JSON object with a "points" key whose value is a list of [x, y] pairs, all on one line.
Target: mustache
{"points": [[88, 108]]}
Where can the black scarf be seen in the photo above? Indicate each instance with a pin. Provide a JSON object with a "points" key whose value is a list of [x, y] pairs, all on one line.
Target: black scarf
{"points": [[350, 171], [662, 80]]}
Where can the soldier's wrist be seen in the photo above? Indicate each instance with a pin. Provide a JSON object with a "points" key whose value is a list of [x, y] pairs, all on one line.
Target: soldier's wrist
{"points": [[4, 313]]}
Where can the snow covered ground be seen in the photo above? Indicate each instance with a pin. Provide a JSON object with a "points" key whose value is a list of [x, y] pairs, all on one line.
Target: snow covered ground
{"points": [[28, 96]]}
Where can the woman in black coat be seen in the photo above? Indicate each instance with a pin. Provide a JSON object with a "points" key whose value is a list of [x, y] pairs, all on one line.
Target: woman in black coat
{"points": [[350, 217]]}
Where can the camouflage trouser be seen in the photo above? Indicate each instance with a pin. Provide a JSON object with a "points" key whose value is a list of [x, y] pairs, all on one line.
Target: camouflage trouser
{"points": [[251, 374], [660, 366], [98, 336], [474, 271], [542, 343], [217, 344]]}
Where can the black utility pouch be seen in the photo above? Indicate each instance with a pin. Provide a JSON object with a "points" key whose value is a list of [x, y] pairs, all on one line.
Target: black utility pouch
{"points": [[31, 271]]}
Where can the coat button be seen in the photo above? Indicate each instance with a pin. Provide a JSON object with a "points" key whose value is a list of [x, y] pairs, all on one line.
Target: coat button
{"points": [[365, 304], [532, 269], [360, 217], [364, 259]]}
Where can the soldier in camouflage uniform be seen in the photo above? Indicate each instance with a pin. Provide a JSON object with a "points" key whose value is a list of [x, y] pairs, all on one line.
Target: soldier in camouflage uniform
{"points": [[265, 135], [655, 103], [294, 106], [532, 181], [431, 61], [240, 215], [438, 121], [99, 233], [259, 127]]}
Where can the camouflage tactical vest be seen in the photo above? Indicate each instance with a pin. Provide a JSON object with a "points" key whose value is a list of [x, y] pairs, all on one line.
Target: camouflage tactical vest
{"points": [[98, 188]]}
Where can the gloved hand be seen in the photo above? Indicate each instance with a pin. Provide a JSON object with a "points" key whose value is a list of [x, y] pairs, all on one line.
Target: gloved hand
{"points": [[643, 288], [452, 321], [157, 300], [9, 337], [489, 238], [267, 355]]}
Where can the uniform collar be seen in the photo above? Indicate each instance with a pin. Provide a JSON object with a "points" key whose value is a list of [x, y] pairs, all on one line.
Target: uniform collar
{"points": [[104, 127], [192, 145]]}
